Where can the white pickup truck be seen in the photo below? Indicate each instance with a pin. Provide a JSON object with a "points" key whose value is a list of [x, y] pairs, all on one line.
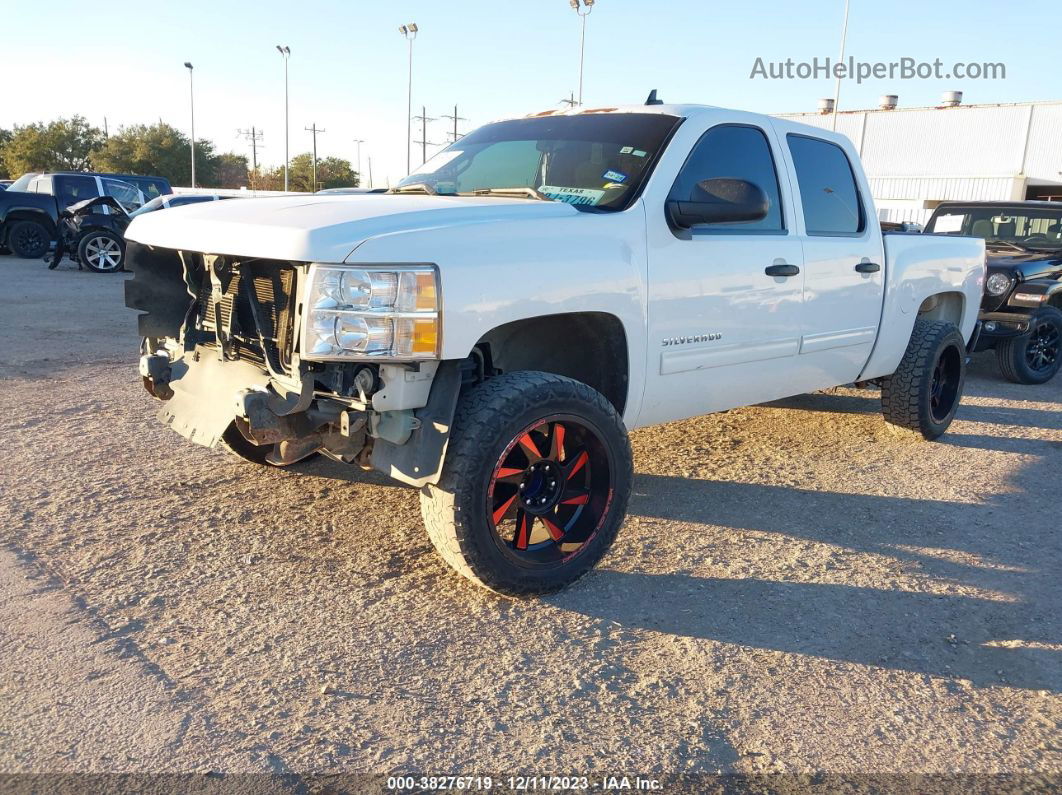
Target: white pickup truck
{"points": [[491, 329]]}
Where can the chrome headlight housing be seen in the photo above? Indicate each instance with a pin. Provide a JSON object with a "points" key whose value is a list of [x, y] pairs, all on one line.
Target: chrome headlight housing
{"points": [[359, 312], [998, 284]]}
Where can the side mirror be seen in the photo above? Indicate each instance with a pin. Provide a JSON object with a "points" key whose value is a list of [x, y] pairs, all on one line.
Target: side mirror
{"points": [[719, 201]]}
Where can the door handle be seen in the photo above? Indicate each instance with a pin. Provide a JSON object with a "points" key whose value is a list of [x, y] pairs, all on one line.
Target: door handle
{"points": [[868, 267], [781, 270]]}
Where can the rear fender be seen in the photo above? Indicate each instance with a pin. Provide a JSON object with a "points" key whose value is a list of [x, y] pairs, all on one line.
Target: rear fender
{"points": [[921, 270]]}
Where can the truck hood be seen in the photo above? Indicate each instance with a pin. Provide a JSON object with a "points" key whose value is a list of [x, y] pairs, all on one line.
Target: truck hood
{"points": [[1028, 265], [321, 228]]}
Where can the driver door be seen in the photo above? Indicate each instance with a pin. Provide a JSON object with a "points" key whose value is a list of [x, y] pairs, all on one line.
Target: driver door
{"points": [[723, 331]]}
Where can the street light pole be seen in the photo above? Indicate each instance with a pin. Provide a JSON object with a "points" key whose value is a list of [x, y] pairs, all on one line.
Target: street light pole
{"points": [[410, 33], [191, 97], [285, 53], [359, 142], [589, 6], [844, 41]]}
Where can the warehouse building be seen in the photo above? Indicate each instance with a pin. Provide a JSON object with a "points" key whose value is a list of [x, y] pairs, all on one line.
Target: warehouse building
{"points": [[916, 158]]}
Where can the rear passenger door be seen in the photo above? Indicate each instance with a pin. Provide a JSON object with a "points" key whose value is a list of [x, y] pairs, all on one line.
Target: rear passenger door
{"points": [[843, 261]]}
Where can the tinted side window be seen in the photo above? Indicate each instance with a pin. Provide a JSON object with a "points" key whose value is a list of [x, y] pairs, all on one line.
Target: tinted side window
{"points": [[827, 187], [71, 189], [735, 153]]}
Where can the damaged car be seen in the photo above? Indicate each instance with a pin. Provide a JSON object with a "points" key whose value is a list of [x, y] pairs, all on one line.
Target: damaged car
{"points": [[490, 330], [92, 233]]}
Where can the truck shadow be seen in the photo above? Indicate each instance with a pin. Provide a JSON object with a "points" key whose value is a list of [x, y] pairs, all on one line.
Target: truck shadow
{"points": [[932, 633], [924, 633], [851, 404]]}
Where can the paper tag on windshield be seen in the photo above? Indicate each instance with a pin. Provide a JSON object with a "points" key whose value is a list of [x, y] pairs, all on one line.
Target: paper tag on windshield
{"points": [[585, 196], [949, 223]]}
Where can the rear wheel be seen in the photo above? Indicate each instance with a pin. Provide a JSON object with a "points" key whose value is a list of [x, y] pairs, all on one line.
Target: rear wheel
{"points": [[535, 484], [924, 392], [102, 252], [28, 239], [1034, 358]]}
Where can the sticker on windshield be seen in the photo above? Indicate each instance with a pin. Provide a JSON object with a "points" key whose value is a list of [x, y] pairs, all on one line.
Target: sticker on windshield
{"points": [[626, 150], [949, 224], [614, 176], [583, 196], [638, 153]]}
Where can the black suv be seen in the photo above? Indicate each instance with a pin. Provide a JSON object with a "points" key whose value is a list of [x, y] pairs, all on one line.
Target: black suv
{"points": [[31, 206], [1021, 313]]}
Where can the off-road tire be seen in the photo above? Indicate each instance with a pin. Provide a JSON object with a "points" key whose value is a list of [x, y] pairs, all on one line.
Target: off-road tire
{"points": [[488, 416], [28, 239], [91, 238], [907, 395], [1011, 353]]}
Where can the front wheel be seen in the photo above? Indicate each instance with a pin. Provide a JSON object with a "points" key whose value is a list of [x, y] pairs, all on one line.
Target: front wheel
{"points": [[28, 239], [924, 392], [1034, 358], [102, 252], [535, 483]]}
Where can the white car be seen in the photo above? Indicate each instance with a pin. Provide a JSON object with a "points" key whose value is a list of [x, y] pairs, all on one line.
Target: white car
{"points": [[491, 329]]}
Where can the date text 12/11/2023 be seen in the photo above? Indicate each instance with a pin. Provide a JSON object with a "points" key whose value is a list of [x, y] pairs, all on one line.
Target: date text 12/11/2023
{"points": [[523, 783]]}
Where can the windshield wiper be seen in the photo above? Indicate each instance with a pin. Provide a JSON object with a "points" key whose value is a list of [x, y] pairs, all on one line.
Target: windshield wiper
{"points": [[521, 192], [415, 187], [1014, 246]]}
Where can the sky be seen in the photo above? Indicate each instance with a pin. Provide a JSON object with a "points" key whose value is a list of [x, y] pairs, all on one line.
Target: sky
{"points": [[123, 61]]}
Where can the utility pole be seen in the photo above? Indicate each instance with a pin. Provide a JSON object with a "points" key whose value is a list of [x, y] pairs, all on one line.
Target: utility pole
{"points": [[254, 135], [313, 128], [570, 101], [370, 172], [410, 33], [359, 142], [106, 134], [423, 118], [455, 119]]}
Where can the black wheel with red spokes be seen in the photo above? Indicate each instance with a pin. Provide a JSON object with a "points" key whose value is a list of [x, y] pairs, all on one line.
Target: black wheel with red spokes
{"points": [[550, 490], [535, 483]]}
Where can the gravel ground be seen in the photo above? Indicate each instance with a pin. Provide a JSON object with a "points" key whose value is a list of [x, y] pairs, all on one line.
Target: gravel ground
{"points": [[798, 588]]}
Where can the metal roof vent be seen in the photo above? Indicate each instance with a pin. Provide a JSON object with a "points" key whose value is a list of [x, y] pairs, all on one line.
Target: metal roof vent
{"points": [[826, 106], [888, 102], [951, 99]]}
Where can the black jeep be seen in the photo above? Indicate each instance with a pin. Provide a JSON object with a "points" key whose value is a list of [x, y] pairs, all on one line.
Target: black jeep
{"points": [[1021, 312]]}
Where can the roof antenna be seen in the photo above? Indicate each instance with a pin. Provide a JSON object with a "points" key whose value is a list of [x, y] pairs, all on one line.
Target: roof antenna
{"points": [[652, 100]]}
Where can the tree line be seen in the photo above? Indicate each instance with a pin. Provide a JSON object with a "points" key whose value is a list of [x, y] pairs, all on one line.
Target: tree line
{"points": [[72, 144]]}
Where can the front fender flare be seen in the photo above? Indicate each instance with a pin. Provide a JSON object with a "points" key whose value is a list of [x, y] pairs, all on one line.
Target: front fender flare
{"points": [[419, 461]]}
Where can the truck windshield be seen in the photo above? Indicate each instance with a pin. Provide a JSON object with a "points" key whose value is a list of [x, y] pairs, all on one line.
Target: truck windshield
{"points": [[592, 161], [1031, 228]]}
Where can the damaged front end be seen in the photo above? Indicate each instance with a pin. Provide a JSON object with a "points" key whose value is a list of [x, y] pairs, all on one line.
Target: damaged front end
{"points": [[221, 348]]}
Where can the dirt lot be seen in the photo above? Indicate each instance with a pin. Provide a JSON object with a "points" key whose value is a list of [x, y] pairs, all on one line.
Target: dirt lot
{"points": [[798, 588]]}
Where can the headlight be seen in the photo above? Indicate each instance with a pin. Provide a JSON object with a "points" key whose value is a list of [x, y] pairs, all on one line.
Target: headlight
{"points": [[356, 312], [997, 284]]}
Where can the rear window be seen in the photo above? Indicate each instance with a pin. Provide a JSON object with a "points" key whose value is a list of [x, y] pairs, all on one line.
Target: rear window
{"points": [[828, 188]]}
